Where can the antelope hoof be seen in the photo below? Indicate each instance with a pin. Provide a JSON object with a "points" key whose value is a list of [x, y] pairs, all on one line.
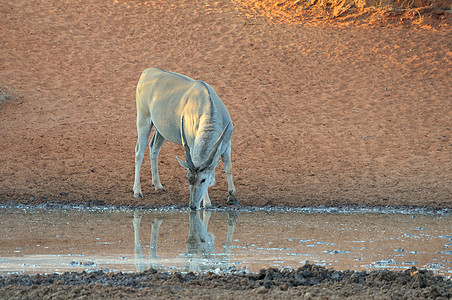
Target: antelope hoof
{"points": [[232, 198], [139, 195], [159, 188], [193, 208]]}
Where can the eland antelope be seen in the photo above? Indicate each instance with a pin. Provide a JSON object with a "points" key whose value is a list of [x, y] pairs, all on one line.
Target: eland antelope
{"points": [[187, 112]]}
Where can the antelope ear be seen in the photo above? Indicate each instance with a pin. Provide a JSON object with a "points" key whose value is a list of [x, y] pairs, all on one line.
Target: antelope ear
{"points": [[182, 163]]}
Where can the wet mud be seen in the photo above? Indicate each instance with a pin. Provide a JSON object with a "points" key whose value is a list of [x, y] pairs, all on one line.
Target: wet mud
{"points": [[309, 281]]}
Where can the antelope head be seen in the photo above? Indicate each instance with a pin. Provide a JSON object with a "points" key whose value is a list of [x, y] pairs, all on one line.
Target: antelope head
{"points": [[199, 177]]}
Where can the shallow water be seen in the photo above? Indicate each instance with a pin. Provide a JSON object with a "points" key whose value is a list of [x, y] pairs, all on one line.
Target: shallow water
{"points": [[58, 240]]}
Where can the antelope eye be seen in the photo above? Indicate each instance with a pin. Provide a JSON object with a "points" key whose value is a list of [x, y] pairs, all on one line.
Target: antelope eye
{"points": [[203, 180]]}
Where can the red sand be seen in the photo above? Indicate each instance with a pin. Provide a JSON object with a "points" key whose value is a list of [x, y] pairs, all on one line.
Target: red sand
{"points": [[323, 114]]}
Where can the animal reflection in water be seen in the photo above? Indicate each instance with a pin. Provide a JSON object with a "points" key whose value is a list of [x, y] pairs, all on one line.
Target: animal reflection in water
{"points": [[200, 254]]}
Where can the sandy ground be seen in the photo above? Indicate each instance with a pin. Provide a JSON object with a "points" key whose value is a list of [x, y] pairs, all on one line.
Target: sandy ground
{"points": [[324, 113]]}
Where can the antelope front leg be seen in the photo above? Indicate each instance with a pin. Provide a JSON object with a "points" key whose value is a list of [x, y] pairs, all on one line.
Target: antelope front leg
{"points": [[206, 200]]}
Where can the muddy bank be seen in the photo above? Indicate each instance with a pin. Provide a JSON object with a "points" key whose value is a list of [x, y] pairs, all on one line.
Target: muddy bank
{"points": [[103, 206], [310, 281], [222, 280]]}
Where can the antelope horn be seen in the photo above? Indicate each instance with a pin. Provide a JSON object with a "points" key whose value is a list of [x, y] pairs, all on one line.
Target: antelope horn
{"points": [[189, 162], [211, 157]]}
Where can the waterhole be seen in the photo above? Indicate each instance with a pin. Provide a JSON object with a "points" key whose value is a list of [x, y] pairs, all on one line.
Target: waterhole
{"points": [[36, 240]]}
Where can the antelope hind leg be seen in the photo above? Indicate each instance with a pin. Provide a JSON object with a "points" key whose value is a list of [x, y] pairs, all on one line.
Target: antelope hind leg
{"points": [[143, 130], [155, 145], [232, 194]]}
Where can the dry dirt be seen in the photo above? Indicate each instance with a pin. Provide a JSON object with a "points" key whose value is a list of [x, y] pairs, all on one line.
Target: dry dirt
{"points": [[350, 108]]}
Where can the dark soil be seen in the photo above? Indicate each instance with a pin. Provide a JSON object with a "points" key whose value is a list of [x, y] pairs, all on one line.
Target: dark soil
{"points": [[310, 281]]}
